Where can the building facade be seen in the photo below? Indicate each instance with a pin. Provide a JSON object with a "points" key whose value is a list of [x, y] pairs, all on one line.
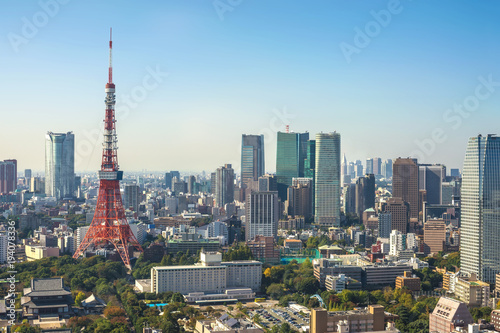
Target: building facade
{"points": [[290, 155], [224, 185], [60, 165], [8, 176], [405, 183], [480, 210], [262, 214], [252, 158], [327, 181]]}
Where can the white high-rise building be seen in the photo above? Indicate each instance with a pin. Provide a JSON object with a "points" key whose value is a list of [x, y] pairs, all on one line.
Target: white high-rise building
{"points": [[80, 234], [397, 242], [327, 181], [262, 214], [60, 165], [480, 208]]}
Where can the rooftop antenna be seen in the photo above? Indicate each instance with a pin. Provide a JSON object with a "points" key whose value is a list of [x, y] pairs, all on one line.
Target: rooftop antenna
{"points": [[110, 79]]}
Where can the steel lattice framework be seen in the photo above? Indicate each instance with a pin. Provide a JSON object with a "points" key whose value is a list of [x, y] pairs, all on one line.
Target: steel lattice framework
{"points": [[109, 225]]}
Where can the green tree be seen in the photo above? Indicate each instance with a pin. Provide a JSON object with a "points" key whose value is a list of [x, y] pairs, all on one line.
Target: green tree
{"points": [[79, 298]]}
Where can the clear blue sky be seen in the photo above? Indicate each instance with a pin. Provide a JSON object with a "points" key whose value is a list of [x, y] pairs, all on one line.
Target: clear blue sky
{"points": [[233, 75]]}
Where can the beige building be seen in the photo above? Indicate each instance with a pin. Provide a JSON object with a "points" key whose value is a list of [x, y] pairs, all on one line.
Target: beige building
{"points": [[434, 236], [35, 252], [472, 291], [209, 276], [226, 324], [364, 320], [448, 314]]}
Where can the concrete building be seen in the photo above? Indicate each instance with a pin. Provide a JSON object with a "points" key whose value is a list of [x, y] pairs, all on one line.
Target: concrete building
{"points": [[434, 236], [35, 252], [8, 176], [327, 179], [262, 215], [224, 185], [384, 224], [363, 320], [430, 179], [479, 250], [264, 250], [495, 319], [291, 153], [399, 214], [405, 183], [226, 324], [300, 199], [60, 165], [472, 291], [210, 276], [408, 281], [448, 315], [131, 199], [365, 193], [341, 282], [296, 223], [376, 276], [252, 160]]}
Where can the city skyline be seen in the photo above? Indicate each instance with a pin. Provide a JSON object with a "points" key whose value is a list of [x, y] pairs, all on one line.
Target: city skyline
{"points": [[196, 66]]}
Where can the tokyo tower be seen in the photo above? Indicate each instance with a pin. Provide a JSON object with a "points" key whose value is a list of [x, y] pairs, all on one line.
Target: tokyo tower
{"points": [[109, 225]]}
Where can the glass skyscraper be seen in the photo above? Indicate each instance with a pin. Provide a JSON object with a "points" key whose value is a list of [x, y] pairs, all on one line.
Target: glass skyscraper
{"points": [[252, 158], [327, 179], [60, 165], [290, 155], [480, 215]]}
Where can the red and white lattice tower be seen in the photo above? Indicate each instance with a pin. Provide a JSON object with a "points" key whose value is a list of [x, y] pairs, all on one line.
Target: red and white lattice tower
{"points": [[109, 225]]}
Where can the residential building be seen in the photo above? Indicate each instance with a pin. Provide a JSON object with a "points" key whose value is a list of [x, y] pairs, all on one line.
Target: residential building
{"points": [[296, 223], [365, 193], [300, 197], [408, 281], [495, 319], [479, 251], [264, 250], [472, 291], [60, 165], [262, 214], [327, 182], [405, 183], [448, 315]]}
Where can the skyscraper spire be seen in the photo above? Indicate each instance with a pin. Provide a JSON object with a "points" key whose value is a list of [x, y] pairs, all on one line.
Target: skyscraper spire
{"points": [[110, 79]]}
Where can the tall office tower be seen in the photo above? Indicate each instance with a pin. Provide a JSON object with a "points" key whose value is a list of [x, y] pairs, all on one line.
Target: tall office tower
{"points": [[365, 193], [454, 172], [377, 166], [212, 183], [397, 242], [384, 224], [8, 176], [349, 196], [290, 155], [252, 159], [359, 169], [224, 185], [27, 173], [480, 215], [59, 165], [131, 197], [405, 183], [327, 182], [369, 165], [191, 184], [310, 161], [268, 183], [430, 179], [399, 214], [262, 215], [109, 225], [168, 180], [387, 168], [300, 198]]}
